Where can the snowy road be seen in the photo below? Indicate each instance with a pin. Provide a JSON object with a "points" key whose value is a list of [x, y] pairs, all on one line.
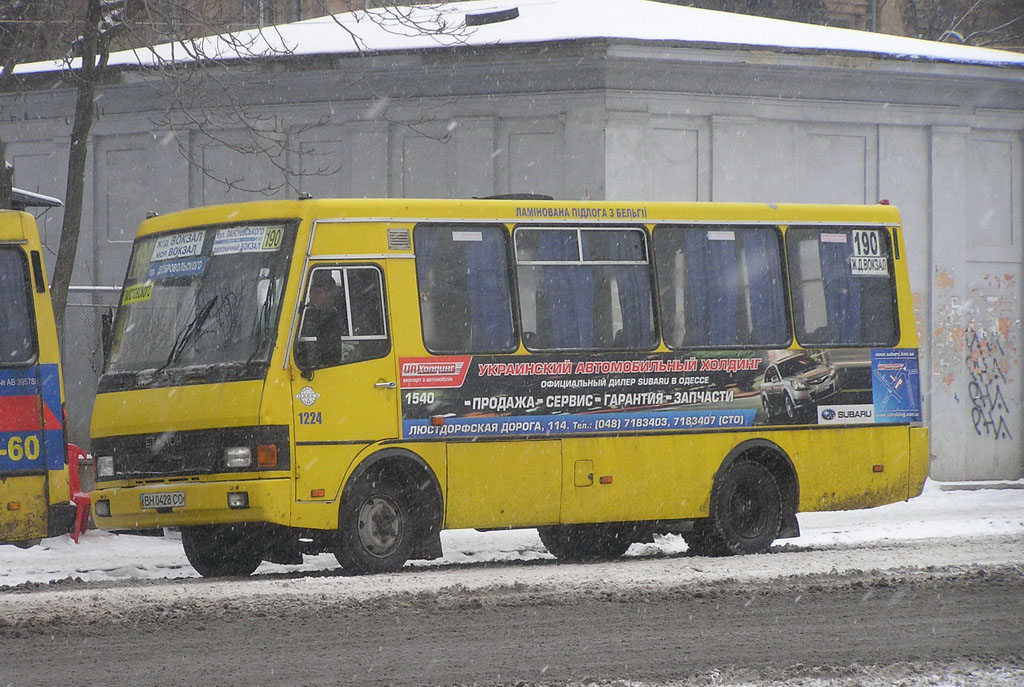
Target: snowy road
{"points": [[925, 592]]}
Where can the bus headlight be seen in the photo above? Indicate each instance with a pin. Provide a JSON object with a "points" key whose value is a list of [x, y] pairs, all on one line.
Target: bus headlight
{"points": [[238, 457], [105, 466]]}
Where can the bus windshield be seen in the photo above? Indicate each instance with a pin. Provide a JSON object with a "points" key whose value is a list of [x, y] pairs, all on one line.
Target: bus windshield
{"points": [[17, 340], [204, 301]]}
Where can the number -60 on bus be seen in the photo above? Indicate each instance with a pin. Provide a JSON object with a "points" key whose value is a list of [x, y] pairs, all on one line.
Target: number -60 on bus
{"points": [[355, 376]]}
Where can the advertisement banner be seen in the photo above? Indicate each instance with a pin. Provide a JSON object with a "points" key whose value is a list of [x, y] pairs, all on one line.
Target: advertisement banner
{"points": [[544, 395], [896, 385], [31, 431]]}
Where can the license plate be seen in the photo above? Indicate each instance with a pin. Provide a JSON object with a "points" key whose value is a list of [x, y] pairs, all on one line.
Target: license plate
{"points": [[164, 499]]}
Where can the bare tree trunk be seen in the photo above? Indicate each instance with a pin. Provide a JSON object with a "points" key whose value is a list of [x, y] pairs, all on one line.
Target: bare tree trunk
{"points": [[6, 179], [84, 115]]}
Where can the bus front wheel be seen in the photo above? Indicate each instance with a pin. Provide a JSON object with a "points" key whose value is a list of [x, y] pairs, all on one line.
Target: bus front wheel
{"points": [[375, 528], [746, 513], [222, 550], [585, 543]]}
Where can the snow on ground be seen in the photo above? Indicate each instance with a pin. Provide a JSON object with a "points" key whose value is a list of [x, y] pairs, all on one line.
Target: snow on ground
{"points": [[943, 511]]}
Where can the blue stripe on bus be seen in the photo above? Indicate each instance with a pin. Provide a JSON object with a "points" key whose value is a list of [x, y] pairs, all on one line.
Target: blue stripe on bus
{"points": [[550, 425]]}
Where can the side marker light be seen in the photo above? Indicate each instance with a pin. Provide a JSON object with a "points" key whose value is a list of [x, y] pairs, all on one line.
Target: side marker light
{"points": [[877, 468]]}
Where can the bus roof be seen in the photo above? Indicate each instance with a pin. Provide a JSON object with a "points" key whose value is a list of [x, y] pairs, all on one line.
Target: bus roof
{"points": [[14, 227], [522, 211]]}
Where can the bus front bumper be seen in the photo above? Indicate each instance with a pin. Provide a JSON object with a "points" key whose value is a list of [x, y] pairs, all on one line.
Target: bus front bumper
{"points": [[174, 504]]}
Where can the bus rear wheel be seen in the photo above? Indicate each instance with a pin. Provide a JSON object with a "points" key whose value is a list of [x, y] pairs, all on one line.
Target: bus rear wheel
{"points": [[375, 528], [222, 550], [746, 513], [586, 543]]}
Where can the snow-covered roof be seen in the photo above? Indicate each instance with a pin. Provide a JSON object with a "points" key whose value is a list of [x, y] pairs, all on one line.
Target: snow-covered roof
{"points": [[21, 199], [535, 21]]}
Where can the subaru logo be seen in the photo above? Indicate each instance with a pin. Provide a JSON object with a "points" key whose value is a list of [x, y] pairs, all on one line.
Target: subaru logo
{"points": [[828, 414]]}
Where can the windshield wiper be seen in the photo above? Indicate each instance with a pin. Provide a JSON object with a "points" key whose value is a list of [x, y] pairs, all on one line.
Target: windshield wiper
{"points": [[188, 333], [263, 323]]}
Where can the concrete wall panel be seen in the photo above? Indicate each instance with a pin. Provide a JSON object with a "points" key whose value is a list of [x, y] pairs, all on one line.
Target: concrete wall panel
{"points": [[904, 180]]}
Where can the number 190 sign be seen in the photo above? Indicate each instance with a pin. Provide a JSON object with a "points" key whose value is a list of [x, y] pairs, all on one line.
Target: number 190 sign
{"points": [[869, 258]]}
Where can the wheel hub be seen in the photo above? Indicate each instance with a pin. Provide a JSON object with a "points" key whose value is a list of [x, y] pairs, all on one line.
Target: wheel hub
{"points": [[380, 526], [747, 511]]}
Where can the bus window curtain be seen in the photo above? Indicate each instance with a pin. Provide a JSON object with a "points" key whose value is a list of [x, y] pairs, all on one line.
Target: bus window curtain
{"points": [[569, 292], [634, 298], [427, 239], [711, 286], [842, 293], [695, 307], [767, 298], [490, 307]]}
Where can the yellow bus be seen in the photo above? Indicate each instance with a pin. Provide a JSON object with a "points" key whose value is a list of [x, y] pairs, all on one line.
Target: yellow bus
{"points": [[354, 376], [34, 495]]}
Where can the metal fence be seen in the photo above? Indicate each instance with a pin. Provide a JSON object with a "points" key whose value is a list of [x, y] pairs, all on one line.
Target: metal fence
{"points": [[87, 318]]}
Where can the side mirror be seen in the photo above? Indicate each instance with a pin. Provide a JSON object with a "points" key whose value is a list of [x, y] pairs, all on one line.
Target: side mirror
{"points": [[307, 348], [106, 333]]}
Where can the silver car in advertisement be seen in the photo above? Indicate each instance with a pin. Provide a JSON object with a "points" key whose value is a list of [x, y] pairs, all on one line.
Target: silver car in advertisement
{"points": [[793, 387]]}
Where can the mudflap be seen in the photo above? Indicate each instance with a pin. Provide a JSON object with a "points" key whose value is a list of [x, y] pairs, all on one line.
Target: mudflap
{"points": [[790, 527], [428, 548], [60, 518]]}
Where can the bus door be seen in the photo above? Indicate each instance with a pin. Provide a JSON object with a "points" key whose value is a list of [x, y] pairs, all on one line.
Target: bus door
{"points": [[346, 397], [23, 488]]}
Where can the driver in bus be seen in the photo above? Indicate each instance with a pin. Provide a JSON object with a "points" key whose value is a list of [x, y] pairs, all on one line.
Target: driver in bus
{"points": [[324, 296]]}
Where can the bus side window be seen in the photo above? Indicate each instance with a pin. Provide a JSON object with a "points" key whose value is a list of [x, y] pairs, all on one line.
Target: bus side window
{"points": [[721, 286], [585, 288], [465, 299], [842, 284], [343, 319]]}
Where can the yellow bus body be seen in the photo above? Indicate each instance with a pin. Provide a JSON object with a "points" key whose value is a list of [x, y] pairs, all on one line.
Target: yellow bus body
{"points": [[34, 498], [483, 480]]}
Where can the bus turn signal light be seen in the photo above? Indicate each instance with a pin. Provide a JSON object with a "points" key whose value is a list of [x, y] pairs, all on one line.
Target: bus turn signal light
{"points": [[13, 505], [317, 493], [266, 455], [877, 468]]}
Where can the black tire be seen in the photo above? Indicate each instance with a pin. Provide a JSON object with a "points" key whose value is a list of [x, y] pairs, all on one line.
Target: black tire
{"points": [[586, 543], [222, 550], [746, 513], [26, 543], [769, 412], [375, 528]]}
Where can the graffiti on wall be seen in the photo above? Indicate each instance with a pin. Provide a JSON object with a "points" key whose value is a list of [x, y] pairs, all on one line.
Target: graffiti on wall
{"points": [[982, 333], [991, 347], [986, 356]]}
